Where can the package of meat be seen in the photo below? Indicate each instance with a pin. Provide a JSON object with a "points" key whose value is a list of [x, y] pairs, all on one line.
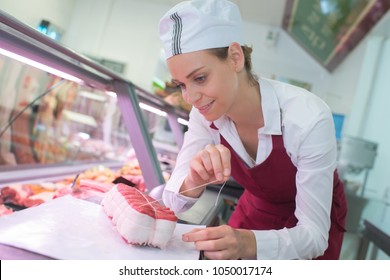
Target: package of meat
{"points": [[140, 219]]}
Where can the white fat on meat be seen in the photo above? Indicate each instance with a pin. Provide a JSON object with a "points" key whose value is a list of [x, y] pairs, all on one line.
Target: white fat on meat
{"points": [[139, 219]]}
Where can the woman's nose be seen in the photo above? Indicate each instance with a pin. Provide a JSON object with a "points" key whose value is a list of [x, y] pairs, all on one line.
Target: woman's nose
{"points": [[191, 96]]}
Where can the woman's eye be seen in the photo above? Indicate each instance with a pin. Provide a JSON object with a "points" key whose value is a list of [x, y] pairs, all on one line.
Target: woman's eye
{"points": [[181, 86], [200, 79]]}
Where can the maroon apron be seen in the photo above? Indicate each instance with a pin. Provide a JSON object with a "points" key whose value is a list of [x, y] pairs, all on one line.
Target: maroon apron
{"points": [[268, 201]]}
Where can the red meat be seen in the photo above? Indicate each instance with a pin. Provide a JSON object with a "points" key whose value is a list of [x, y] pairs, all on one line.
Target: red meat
{"points": [[139, 218]]}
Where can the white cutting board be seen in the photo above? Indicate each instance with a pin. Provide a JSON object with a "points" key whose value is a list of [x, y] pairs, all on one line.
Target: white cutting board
{"points": [[70, 228]]}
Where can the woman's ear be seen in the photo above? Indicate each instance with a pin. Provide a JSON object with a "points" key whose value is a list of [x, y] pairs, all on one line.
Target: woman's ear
{"points": [[236, 56]]}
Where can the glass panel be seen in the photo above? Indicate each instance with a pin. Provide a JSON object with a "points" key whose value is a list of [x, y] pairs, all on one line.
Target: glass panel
{"points": [[163, 138], [47, 120]]}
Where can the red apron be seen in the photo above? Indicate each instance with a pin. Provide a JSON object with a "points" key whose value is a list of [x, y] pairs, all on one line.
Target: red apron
{"points": [[268, 201]]}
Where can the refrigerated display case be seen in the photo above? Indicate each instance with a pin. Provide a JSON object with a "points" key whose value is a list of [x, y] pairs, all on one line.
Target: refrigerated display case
{"points": [[62, 112], [63, 115]]}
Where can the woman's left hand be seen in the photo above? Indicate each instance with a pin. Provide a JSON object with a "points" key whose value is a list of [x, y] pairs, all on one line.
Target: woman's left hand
{"points": [[223, 242]]}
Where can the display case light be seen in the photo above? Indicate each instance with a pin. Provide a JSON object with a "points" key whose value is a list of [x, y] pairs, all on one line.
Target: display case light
{"points": [[111, 93], [41, 66], [152, 109], [83, 135], [182, 121], [160, 113]]}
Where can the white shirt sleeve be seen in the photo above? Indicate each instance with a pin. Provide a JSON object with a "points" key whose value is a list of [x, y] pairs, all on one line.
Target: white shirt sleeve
{"points": [[199, 134]]}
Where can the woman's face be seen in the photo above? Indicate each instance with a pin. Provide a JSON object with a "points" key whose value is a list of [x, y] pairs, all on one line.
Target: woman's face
{"points": [[206, 82]]}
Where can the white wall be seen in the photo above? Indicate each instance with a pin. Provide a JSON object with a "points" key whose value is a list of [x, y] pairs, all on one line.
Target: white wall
{"points": [[285, 58], [120, 30], [376, 128], [369, 113], [32, 12], [345, 82]]}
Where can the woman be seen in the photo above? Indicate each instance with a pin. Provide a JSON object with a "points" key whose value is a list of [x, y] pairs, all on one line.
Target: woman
{"points": [[276, 140]]}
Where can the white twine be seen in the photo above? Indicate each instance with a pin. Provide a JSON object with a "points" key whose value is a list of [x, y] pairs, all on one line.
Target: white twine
{"points": [[216, 201], [150, 240], [197, 187], [148, 202]]}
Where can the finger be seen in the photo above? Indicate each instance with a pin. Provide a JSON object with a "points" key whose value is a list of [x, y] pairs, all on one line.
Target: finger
{"points": [[205, 157], [194, 235], [225, 158], [185, 235], [200, 234], [217, 249], [216, 161], [210, 245], [197, 169]]}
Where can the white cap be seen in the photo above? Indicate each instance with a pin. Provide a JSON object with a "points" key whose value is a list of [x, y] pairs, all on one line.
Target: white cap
{"points": [[200, 24]]}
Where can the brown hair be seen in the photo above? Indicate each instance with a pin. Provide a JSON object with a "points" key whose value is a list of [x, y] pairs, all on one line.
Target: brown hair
{"points": [[222, 54]]}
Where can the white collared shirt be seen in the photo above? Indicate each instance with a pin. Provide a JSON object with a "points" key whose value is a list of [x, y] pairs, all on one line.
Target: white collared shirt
{"points": [[306, 124]]}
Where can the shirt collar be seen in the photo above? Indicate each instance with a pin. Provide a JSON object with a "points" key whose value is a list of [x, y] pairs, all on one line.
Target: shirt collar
{"points": [[271, 109]]}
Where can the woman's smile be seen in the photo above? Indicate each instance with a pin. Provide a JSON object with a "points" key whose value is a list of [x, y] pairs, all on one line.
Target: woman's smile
{"points": [[205, 108]]}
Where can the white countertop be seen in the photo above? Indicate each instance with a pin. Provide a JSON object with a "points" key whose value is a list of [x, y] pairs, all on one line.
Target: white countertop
{"points": [[70, 228]]}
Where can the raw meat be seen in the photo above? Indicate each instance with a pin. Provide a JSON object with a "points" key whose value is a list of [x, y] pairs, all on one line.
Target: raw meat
{"points": [[85, 189], [15, 194], [96, 186], [139, 219], [26, 195], [4, 210]]}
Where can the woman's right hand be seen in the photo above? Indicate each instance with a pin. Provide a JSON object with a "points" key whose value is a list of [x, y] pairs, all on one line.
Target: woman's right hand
{"points": [[212, 164]]}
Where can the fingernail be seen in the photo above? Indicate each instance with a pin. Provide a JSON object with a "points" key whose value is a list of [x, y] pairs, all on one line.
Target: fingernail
{"points": [[226, 172]]}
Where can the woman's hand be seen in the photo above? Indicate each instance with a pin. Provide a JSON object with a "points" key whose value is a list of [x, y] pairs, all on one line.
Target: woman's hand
{"points": [[223, 242], [210, 164]]}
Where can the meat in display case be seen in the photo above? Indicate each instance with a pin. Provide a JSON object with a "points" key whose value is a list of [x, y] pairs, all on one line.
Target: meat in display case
{"points": [[71, 126]]}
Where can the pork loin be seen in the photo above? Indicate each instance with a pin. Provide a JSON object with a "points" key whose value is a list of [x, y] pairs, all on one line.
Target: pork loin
{"points": [[139, 219]]}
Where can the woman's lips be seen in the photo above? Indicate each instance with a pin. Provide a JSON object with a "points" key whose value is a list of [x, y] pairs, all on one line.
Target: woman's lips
{"points": [[204, 109]]}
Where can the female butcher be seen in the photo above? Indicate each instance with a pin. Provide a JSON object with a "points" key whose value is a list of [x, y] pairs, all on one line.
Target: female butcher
{"points": [[274, 139]]}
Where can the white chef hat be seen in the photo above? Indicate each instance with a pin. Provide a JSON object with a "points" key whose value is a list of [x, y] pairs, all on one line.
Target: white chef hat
{"points": [[200, 24]]}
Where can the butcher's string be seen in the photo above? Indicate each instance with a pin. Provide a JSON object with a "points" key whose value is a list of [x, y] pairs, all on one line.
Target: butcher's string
{"points": [[216, 201], [148, 202], [194, 188], [155, 214]]}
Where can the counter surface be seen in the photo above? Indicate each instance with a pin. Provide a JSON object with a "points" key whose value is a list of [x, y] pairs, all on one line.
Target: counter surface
{"points": [[70, 228]]}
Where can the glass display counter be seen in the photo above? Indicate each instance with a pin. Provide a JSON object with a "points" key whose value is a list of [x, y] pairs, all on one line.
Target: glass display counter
{"points": [[63, 115]]}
